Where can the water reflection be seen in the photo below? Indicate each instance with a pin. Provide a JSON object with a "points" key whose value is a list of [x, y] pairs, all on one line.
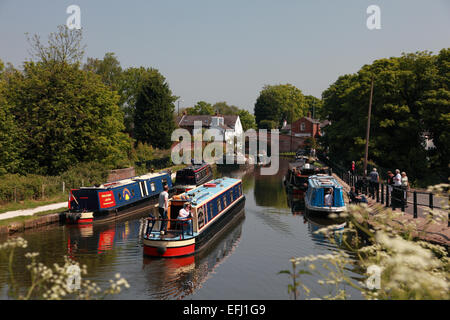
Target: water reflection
{"points": [[177, 278], [250, 254]]}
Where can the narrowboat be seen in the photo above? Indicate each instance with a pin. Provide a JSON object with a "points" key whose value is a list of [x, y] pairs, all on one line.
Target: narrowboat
{"points": [[192, 176], [296, 178], [214, 205], [321, 187], [109, 201]]}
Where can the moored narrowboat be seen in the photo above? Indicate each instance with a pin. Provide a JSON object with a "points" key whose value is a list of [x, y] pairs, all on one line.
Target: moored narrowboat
{"points": [[192, 176], [324, 195], [109, 201], [296, 178], [213, 206]]}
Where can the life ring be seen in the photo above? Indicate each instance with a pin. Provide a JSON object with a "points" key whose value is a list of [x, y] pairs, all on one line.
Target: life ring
{"points": [[200, 218]]}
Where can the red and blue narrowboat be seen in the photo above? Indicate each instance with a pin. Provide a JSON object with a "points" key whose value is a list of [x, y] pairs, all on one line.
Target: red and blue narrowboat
{"points": [[192, 176], [214, 205], [110, 200]]}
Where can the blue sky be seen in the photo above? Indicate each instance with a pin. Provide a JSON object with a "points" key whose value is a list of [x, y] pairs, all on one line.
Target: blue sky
{"points": [[227, 50]]}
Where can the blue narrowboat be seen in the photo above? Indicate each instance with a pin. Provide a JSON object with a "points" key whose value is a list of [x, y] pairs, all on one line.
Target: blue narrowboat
{"points": [[108, 201], [324, 194], [214, 205]]}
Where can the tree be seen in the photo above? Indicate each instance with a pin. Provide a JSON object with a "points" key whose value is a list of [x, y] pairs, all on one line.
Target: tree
{"points": [[9, 146], [225, 109], [278, 103], [201, 108], [66, 115], [108, 69], [62, 46], [410, 98], [154, 111], [314, 106], [247, 120]]}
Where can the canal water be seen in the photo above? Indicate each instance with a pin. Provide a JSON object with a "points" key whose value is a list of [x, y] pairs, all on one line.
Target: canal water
{"points": [[242, 264]]}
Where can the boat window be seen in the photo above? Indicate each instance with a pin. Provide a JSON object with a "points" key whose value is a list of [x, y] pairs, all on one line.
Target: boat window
{"points": [[164, 181], [219, 207], [119, 196], [132, 192], [224, 201], [152, 186]]}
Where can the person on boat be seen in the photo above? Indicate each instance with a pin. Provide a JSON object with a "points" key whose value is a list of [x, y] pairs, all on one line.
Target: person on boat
{"points": [[329, 198], [185, 214], [162, 207], [355, 198]]}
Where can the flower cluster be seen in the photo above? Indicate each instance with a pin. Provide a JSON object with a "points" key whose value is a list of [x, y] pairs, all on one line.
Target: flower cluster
{"points": [[59, 281]]}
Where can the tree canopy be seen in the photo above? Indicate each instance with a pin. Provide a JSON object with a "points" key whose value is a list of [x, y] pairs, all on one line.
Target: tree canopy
{"points": [[154, 111], [65, 116], [411, 98], [278, 103]]}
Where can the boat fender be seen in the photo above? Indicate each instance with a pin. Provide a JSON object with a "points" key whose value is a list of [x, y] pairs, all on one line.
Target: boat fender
{"points": [[161, 250]]}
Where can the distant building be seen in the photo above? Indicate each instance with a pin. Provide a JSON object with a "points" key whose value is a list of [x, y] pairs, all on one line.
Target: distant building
{"points": [[305, 127], [229, 125]]}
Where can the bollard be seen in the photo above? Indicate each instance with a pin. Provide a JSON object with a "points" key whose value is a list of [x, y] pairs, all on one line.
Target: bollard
{"points": [[382, 193], [415, 204], [378, 192]]}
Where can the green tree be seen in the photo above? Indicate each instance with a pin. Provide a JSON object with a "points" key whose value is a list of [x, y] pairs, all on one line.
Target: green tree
{"points": [[154, 111], [65, 45], [108, 69], [314, 106], [280, 102], [66, 116], [409, 99], [225, 109], [201, 108], [9, 146], [247, 120]]}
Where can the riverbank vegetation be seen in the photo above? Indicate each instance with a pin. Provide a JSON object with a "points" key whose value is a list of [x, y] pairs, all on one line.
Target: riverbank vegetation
{"points": [[393, 264]]}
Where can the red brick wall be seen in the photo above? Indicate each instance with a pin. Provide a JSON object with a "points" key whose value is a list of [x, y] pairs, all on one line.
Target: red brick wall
{"points": [[312, 128]]}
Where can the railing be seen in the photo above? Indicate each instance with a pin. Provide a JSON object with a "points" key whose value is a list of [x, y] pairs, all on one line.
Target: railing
{"points": [[152, 221], [388, 195]]}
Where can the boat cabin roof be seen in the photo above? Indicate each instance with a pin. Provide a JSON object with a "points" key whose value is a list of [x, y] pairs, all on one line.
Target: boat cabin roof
{"points": [[206, 191], [118, 183], [323, 181]]}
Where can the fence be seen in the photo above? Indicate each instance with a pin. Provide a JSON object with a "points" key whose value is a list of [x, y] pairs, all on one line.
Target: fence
{"points": [[388, 195]]}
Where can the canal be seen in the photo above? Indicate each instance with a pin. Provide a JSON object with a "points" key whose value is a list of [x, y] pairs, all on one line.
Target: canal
{"points": [[243, 264]]}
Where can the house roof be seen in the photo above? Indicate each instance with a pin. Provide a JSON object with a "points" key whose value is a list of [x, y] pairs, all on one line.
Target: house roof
{"points": [[188, 120], [324, 123]]}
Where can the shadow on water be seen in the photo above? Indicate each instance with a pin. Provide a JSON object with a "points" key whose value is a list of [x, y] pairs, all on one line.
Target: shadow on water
{"points": [[177, 278]]}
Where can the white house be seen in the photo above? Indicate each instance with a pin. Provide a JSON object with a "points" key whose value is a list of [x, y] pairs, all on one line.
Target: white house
{"points": [[229, 125]]}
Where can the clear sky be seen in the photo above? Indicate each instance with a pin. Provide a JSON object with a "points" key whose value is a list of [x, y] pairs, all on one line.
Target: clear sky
{"points": [[227, 50]]}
